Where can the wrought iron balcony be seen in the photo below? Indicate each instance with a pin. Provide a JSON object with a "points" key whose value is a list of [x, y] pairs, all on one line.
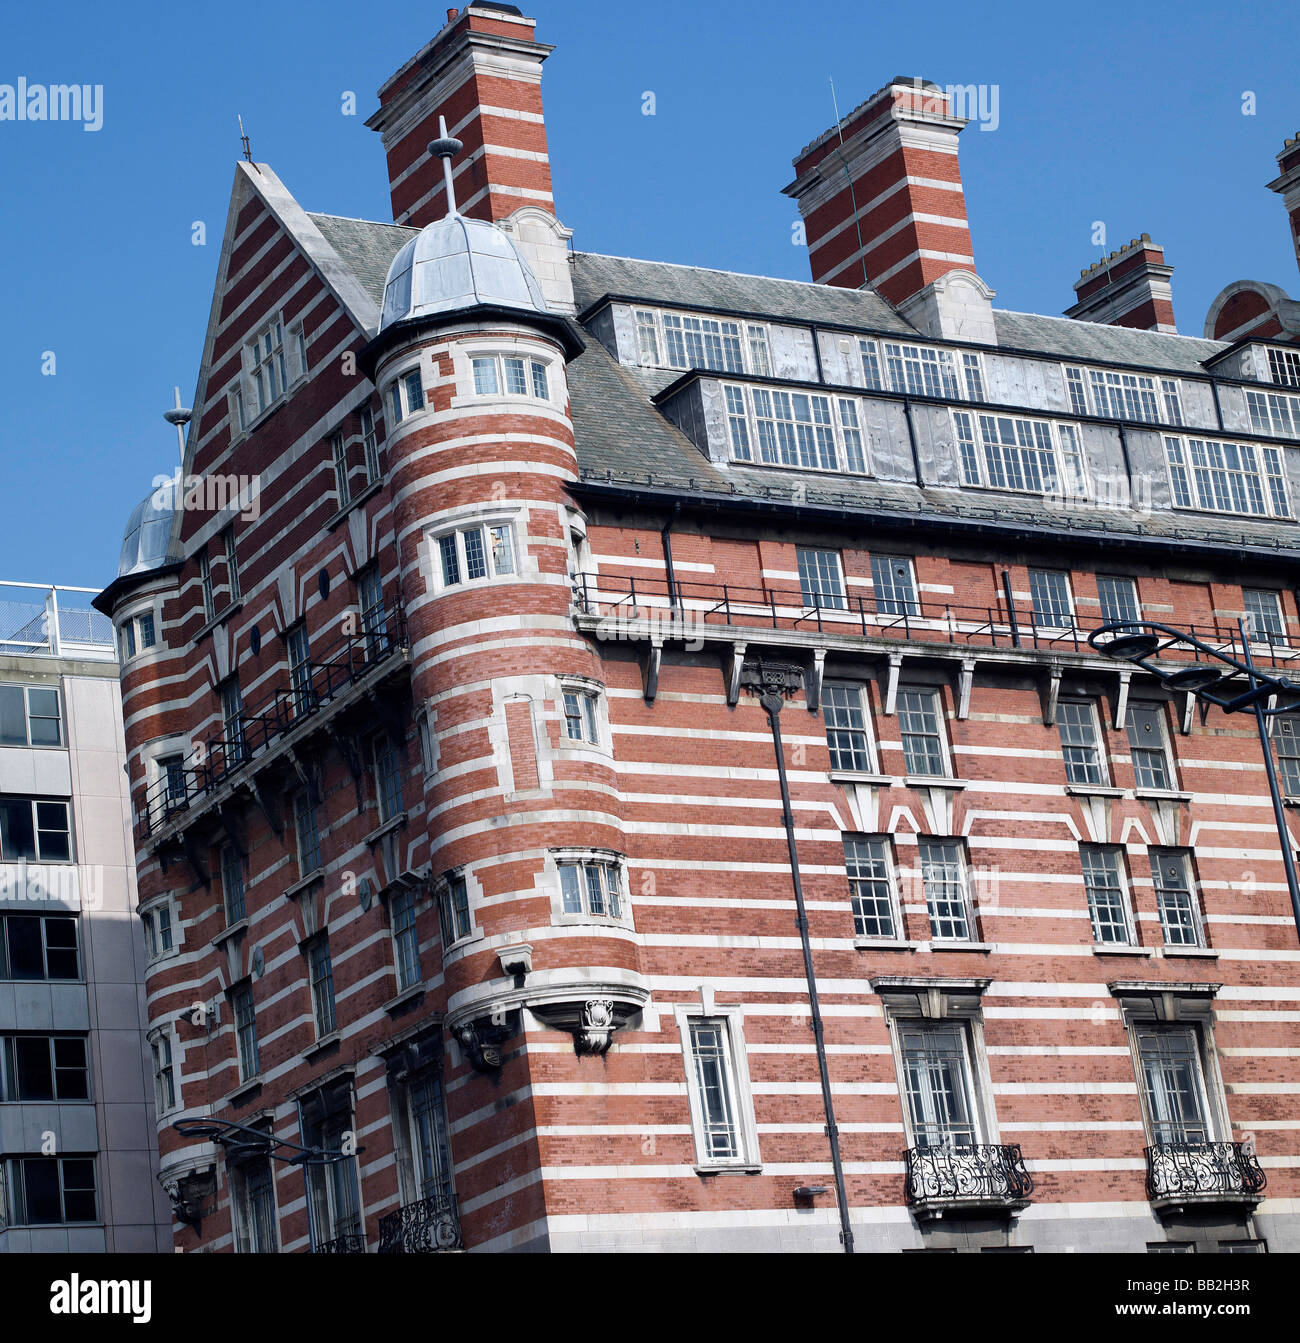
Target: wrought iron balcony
{"points": [[1203, 1172], [333, 671], [426, 1227], [708, 608], [980, 1176], [351, 1243]]}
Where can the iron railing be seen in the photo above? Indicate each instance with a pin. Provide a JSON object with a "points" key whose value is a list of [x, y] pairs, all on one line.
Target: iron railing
{"points": [[284, 707], [425, 1227], [1203, 1171], [353, 1242], [989, 1173], [626, 597], [45, 620]]}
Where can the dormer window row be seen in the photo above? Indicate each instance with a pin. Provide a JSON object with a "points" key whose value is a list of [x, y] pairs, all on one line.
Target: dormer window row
{"points": [[683, 340]]}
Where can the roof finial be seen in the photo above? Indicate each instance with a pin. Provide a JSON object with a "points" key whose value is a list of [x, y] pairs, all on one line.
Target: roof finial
{"points": [[445, 147], [179, 416]]}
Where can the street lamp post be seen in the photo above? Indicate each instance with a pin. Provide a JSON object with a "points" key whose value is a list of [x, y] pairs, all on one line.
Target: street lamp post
{"points": [[772, 683], [1239, 687]]}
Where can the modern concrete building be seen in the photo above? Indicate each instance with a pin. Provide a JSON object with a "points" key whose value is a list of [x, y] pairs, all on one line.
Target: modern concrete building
{"points": [[78, 1158], [452, 790]]}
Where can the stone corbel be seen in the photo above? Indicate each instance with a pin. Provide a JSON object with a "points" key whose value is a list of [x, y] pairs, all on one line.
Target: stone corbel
{"points": [[650, 668], [733, 660], [192, 1194], [233, 824], [591, 1020], [596, 1033], [307, 777], [1121, 697], [481, 1044], [1051, 694], [347, 749], [1189, 710], [813, 680], [891, 685], [194, 856], [265, 805], [965, 681]]}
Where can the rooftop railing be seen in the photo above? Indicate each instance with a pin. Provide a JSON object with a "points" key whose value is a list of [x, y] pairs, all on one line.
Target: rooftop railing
{"points": [[701, 606], [46, 620], [311, 687]]}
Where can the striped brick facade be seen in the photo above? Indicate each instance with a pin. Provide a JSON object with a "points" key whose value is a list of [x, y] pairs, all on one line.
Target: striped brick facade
{"points": [[566, 1048]]}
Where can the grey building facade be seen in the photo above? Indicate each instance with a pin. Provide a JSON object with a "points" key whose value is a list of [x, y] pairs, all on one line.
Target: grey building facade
{"points": [[78, 1158]]}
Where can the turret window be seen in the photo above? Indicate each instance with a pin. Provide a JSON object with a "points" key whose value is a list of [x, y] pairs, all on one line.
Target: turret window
{"points": [[470, 554], [406, 395], [510, 375]]}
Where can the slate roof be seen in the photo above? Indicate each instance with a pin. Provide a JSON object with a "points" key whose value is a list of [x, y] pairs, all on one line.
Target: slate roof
{"points": [[366, 248], [623, 439], [1106, 344], [723, 290]]}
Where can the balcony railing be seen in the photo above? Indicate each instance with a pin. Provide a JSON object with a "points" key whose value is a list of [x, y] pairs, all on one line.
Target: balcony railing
{"points": [[984, 1174], [1203, 1172], [351, 1243], [284, 707], [426, 1227], [700, 606], [42, 620]]}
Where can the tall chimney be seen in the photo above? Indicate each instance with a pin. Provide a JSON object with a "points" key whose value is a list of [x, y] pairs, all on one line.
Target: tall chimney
{"points": [[881, 194], [1288, 187], [483, 72], [1130, 287]]}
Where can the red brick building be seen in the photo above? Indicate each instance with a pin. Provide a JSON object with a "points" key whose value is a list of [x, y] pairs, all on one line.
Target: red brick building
{"points": [[464, 821]]}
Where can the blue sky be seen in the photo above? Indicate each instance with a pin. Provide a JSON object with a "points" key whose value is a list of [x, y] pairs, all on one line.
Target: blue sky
{"points": [[1127, 114]]}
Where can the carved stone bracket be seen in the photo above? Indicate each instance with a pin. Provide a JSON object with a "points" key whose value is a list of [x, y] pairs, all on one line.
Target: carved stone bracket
{"points": [[965, 681], [1051, 693], [733, 660], [597, 1030], [650, 668], [481, 1038], [891, 688], [812, 681], [265, 804], [1121, 697], [592, 1021]]}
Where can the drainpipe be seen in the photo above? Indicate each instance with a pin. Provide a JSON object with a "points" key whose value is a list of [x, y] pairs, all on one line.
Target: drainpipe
{"points": [[666, 537], [1011, 608], [911, 439]]}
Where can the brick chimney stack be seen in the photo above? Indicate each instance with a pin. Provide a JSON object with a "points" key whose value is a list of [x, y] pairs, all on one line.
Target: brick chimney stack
{"points": [[1130, 287], [1288, 187], [881, 194], [483, 72]]}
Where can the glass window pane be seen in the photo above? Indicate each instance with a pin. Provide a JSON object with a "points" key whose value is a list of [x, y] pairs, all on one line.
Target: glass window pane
{"points": [[450, 560], [1118, 599], [13, 716]]}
